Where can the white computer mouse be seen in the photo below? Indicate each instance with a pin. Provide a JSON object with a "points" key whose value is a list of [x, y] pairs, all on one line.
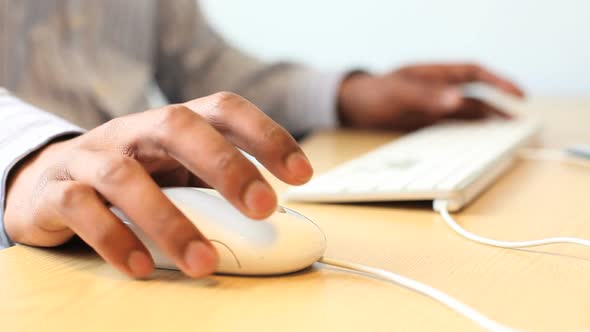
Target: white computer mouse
{"points": [[283, 243]]}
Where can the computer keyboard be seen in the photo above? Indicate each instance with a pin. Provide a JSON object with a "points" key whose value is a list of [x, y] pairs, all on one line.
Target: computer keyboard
{"points": [[453, 161]]}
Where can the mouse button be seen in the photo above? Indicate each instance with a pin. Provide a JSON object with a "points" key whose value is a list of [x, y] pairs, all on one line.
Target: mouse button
{"points": [[234, 229], [297, 231], [295, 214], [309, 221], [194, 200], [228, 261], [220, 220]]}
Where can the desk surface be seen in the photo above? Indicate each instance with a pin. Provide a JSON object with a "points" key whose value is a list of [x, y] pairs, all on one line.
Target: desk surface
{"points": [[70, 289]]}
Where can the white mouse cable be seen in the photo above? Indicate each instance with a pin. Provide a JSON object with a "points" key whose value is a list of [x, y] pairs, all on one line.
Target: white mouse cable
{"points": [[441, 206], [424, 289]]}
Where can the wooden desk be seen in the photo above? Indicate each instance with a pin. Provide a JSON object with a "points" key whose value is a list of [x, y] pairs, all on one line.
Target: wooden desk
{"points": [[548, 289]]}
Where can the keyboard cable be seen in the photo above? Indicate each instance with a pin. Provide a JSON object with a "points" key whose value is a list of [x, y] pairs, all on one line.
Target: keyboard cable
{"points": [[441, 206], [557, 155]]}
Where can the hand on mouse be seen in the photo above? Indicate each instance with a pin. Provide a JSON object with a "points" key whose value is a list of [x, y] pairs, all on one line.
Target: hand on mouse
{"points": [[64, 188], [417, 96]]}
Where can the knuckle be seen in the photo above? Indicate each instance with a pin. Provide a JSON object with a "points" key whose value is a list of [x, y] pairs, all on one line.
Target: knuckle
{"points": [[226, 97], [234, 173], [116, 169], [114, 131], [223, 103], [273, 134], [174, 118], [113, 127], [104, 237], [167, 224], [275, 142], [227, 161], [74, 193]]}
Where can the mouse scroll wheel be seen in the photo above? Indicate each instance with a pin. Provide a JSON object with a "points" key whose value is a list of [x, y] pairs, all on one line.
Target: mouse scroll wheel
{"points": [[280, 209]]}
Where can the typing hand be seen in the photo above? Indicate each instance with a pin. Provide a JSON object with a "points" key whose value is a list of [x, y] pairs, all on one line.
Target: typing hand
{"points": [[65, 188], [417, 96]]}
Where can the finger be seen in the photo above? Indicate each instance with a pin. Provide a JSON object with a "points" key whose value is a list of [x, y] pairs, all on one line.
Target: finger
{"points": [[432, 100], [469, 114], [83, 212], [188, 138], [476, 109], [249, 128], [483, 75], [126, 184], [177, 133], [178, 177], [462, 73]]}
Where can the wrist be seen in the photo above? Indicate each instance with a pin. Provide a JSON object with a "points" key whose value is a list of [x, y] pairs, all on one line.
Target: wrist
{"points": [[349, 96], [21, 168], [21, 186]]}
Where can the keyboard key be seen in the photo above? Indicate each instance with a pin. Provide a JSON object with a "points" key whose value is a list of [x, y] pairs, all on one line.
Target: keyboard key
{"points": [[432, 161]]}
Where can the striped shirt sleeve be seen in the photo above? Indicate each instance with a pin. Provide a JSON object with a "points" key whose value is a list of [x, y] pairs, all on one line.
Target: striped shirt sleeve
{"points": [[194, 60], [23, 129]]}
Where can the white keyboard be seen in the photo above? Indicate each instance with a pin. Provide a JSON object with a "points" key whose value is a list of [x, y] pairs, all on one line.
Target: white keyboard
{"points": [[453, 161]]}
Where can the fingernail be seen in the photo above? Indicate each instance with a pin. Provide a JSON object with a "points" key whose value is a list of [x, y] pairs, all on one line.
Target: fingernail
{"points": [[260, 198], [451, 98], [140, 264], [299, 166], [200, 259]]}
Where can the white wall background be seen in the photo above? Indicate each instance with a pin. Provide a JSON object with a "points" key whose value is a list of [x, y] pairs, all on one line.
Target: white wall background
{"points": [[543, 44]]}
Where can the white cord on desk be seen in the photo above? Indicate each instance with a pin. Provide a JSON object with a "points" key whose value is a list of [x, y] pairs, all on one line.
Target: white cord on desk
{"points": [[543, 154], [424, 289], [441, 207]]}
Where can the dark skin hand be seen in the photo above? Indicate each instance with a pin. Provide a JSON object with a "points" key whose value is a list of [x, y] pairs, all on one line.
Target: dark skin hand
{"points": [[417, 96], [66, 187], [63, 189]]}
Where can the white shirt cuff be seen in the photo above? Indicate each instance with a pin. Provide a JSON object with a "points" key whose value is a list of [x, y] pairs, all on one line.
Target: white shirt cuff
{"points": [[23, 130], [312, 101]]}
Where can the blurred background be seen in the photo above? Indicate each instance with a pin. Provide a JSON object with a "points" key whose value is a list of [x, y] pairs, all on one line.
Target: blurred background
{"points": [[544, 44]]}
